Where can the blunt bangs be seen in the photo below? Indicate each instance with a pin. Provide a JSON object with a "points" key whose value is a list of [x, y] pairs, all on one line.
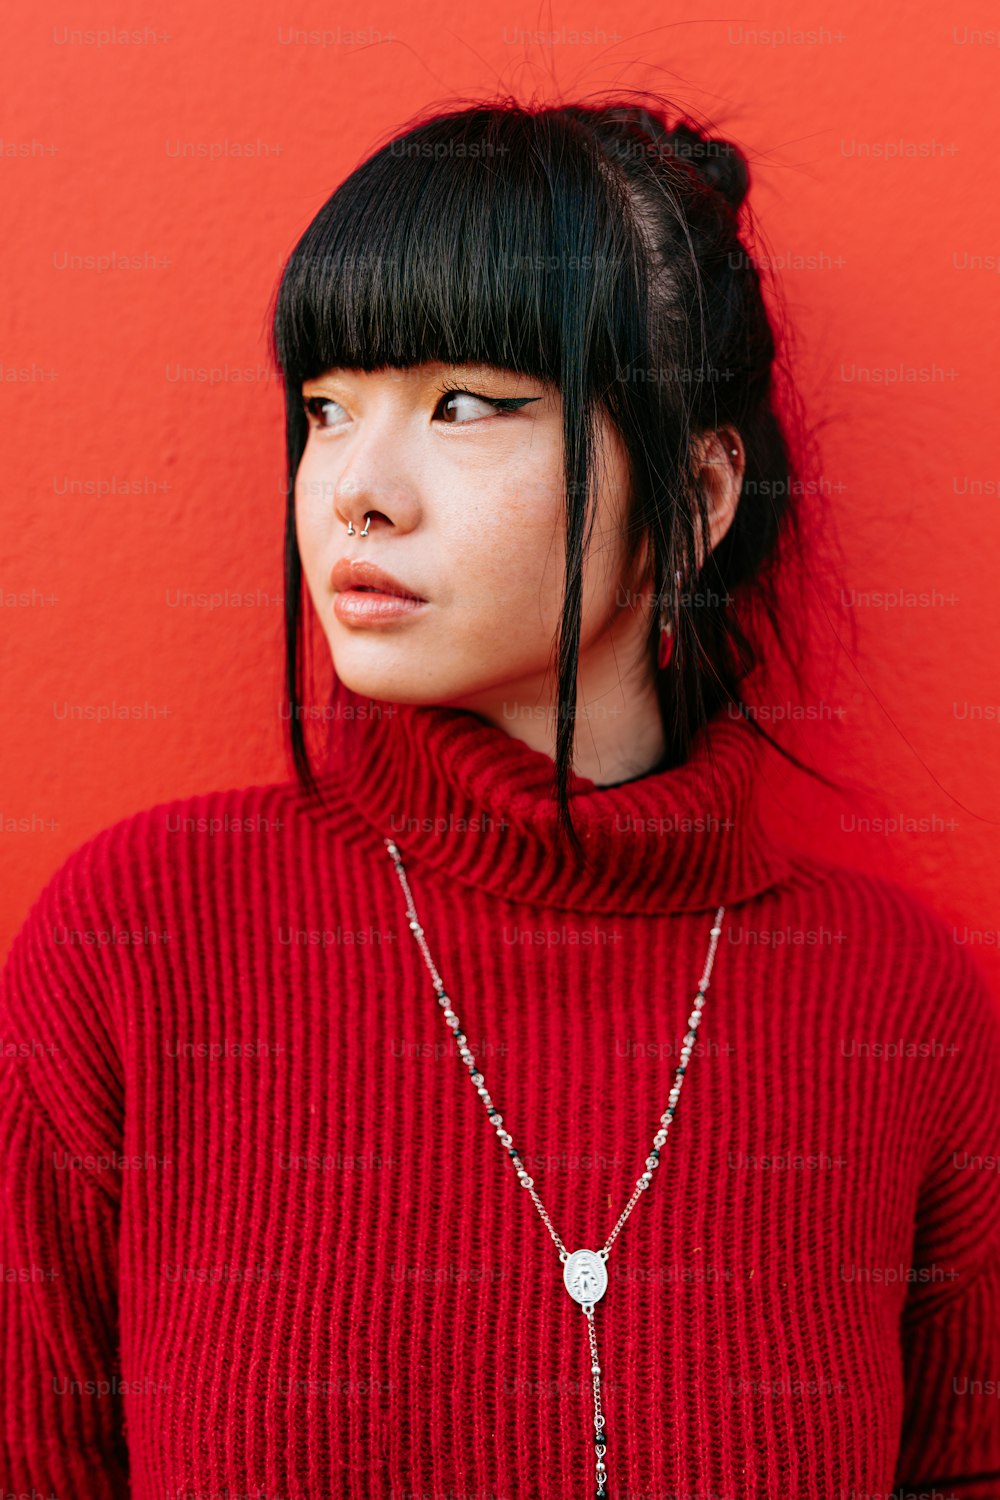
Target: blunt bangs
{"points": [[469, 247]]}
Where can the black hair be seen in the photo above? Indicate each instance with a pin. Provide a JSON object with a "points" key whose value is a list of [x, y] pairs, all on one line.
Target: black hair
{"points": [[596, 246]]}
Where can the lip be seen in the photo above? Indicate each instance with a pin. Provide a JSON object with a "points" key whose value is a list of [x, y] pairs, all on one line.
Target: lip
{"points": [[357, 608], [365, 594], [352, 574]]}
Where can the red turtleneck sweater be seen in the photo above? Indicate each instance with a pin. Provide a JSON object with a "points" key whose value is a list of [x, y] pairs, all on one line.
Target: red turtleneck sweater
{"points": [[259, 1238]]}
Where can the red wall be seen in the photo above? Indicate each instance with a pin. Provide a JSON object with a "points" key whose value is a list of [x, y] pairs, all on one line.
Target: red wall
{"points": [[873, 150]]}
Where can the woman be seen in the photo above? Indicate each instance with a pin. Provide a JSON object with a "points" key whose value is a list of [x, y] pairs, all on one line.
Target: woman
{"points": [[257, 1237]]}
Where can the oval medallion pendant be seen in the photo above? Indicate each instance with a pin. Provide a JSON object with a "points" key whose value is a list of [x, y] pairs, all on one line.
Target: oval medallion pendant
{"points": [[585, 1276]]}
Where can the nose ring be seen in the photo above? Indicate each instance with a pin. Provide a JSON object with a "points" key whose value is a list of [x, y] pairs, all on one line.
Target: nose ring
{"points": [[368, 522]]}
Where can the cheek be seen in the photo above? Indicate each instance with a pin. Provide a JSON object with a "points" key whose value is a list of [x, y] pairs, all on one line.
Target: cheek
{"points": [[313, 520], [507, 556], [522, 544]]}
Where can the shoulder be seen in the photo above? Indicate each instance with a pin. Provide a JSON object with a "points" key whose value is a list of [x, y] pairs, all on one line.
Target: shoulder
{"points": [[893, 969], [125, 840], [873, 915], [169, 859], [135, 895], [198, 815], [917, 992], [916, 983], [153, 858]]}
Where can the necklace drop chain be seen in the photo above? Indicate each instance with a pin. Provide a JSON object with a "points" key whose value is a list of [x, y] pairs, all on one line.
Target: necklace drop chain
{"points": [[585, 1273]]}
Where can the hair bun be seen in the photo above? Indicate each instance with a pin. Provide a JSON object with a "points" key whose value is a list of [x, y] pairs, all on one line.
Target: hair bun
{"points": [[718, 162]]}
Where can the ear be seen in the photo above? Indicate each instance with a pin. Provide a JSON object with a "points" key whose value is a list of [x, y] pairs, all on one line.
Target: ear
{"points": [[720, 477]]}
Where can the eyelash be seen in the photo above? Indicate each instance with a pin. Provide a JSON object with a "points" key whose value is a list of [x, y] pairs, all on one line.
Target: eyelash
{"points": [[505, 406]]}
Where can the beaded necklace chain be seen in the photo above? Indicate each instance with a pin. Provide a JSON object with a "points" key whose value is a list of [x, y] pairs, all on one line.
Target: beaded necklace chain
{"points": [[585, 1274]]}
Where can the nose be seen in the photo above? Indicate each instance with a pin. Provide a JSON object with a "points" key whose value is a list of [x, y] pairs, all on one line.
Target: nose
{"points": [[371, 493], [358, 520]]}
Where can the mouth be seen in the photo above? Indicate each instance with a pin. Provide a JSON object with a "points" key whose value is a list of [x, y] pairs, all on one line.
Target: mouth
{"points": [[364, 588], [365, 595], [367, 607], [359, 577]]}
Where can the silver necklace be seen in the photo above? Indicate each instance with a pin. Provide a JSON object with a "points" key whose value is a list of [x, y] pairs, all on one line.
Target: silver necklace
{"points": [[585, 1274]]}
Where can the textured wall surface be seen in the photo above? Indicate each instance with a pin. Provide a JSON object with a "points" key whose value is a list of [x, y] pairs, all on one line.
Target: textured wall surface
{"points": [[158, 167]]}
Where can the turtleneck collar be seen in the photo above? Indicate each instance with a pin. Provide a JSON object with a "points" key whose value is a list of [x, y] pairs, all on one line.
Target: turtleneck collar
{"points": [[464, 796]]}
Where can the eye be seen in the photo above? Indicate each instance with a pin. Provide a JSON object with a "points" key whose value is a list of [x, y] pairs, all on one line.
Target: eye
{"points": [[313, 408], [450, 398], [500, 405], [453, 399]]}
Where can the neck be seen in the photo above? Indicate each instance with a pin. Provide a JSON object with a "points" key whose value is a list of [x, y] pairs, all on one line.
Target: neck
{"points": [[475, 803], [619, 726]]}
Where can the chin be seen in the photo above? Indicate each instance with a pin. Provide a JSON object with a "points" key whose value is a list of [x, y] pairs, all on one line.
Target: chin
{"points": [[391, 680]]}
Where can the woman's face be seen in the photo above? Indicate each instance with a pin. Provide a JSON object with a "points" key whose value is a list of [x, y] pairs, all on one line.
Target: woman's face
{"points": [[467, 512]]}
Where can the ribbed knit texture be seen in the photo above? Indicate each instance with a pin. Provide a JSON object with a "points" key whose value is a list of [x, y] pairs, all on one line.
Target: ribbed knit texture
{"points": [[259, 1238]]}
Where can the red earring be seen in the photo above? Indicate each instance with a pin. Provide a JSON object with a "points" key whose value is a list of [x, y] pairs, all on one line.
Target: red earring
{"points": [[666, 650]]}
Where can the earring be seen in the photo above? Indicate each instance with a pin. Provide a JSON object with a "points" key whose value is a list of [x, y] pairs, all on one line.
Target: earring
{"points": [[666, 648]]}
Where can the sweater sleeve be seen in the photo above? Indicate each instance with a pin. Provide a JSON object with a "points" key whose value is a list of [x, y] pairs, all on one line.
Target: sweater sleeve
{"points": [[61, 1096], [950, 1328]]}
